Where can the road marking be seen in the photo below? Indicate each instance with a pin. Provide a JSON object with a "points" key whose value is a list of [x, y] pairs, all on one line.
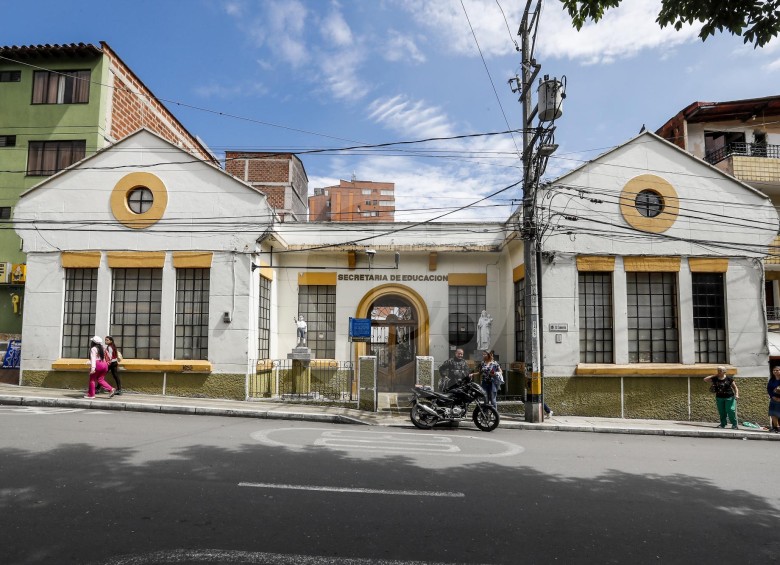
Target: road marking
{"points": [[38, 410], [390, 442], [356, 490], [419, 443], [247, 558]]}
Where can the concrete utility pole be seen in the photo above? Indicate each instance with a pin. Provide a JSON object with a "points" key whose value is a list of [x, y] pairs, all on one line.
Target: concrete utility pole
{"points": [[534, 163]]}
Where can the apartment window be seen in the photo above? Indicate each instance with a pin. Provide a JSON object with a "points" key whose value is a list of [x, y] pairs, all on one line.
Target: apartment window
{"points": [[5, 212], [366, 191], [192, 314], [45, 158], [10, 76], [709, 317], [466, 304], [387, 192], [7, 141], [80, 306], [596, 337], [136, 298], [264, 320], [652, 318], [317, 303], [62, 87], [387, 202], [520, 321]]}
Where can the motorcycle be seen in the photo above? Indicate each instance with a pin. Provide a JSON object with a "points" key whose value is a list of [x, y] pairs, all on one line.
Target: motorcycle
{"points": [[430, 407]]}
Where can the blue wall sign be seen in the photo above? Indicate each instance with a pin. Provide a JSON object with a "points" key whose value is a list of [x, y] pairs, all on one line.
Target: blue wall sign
{"points": [[360, 329]]}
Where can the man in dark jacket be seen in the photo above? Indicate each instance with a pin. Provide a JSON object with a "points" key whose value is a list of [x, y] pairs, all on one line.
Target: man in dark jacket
{"points": [[452, 370]]}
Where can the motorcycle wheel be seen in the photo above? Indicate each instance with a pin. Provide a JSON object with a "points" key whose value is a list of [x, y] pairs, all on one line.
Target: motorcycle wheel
{"points": [[486, 418], [421, 418]]}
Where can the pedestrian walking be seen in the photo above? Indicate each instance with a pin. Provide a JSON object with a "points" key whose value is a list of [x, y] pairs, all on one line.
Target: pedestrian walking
{"points": [[492, 377], [114, 357], [98, 368], [773, 389], [726, 396]]}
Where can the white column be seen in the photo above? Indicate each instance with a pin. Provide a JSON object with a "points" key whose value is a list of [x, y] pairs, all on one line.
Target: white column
{"points": [[685, 296], [620, 314], [168, 309], [103, 299]]}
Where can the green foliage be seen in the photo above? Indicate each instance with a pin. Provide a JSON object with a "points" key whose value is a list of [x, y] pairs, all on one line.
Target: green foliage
{"points": [[756, 21]]}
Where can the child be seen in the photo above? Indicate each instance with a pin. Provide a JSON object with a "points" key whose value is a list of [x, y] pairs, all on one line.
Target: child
{"points": [[98, 368]]}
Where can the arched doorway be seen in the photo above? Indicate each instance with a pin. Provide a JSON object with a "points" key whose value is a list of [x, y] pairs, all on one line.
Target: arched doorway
{"points": [[394, 326]]}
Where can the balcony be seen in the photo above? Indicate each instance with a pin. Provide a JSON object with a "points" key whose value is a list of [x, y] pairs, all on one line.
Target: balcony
{"points": [[743, 150], [757, 164]]}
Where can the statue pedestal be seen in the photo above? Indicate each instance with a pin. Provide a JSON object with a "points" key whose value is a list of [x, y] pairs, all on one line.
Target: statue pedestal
{"points": [[301, 370]]}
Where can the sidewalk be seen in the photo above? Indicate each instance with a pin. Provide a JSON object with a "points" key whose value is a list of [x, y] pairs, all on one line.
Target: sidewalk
{"points": [[14, 395]]}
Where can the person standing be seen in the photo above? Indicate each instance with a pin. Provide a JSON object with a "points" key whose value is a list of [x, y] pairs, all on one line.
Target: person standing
{"points": [[492, 377], [98, 368], [773, 389], [452, 370], [726, 396], [113, 358]]}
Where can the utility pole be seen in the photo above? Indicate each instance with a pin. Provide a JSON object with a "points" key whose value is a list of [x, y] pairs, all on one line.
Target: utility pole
{"points": [[537, 147]]}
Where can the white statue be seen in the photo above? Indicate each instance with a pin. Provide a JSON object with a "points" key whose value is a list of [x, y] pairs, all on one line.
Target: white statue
{"points": [[301, 331], [483, 331]]}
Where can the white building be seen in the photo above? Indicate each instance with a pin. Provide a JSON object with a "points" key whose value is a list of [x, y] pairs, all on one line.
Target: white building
{"points": [[220, 281]]}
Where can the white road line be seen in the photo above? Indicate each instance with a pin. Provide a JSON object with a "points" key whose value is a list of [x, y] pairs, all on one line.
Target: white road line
{"points": [[356, 490]]}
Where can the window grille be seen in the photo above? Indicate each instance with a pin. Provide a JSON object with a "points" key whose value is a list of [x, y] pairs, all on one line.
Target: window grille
{"points": [[264, 320], [317, 303], [709, 317], [596, 336], [80, 305], [652, 318], [520, 321], [10, 76], [7, 141], [192, 314], [136, 298], [466, 304]]}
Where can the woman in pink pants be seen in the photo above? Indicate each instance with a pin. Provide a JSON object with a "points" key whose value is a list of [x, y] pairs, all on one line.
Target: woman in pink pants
{"points": [[98, 368]]}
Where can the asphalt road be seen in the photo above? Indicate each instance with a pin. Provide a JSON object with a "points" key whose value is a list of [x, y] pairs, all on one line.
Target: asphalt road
{"points": [[131, 488]]}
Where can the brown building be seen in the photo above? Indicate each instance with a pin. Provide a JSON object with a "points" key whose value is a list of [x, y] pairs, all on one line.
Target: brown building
{"points": [[353, 201], [280, 176]]}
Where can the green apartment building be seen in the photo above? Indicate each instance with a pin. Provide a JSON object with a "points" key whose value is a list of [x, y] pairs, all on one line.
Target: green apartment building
{"points": [[58, 105]]}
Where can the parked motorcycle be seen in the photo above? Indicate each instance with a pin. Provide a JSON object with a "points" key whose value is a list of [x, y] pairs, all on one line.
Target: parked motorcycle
{"points": [[430, 407]]}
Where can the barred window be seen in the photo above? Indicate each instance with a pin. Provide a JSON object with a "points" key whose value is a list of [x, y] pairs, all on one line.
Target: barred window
{"points": [[61, 87], [596, 337], [264, 320], [136, 298], [192, 314], [466, 304], [45, 158], [652, 318], [520, 321], [709, 317], [317, 303], [79, 321]]}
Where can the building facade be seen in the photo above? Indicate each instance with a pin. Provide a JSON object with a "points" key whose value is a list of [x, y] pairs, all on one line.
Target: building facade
{"points": [[353, 201], [651, 277], [62, 103], [280, 176]]}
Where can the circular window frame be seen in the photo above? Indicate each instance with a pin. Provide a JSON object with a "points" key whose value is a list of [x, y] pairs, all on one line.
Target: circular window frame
{"points": [[142, 201], [121, 209], [656, 224], [657, 207]]}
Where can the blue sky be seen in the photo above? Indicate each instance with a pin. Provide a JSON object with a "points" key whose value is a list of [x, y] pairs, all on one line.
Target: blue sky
{"points": [[302, 75]]}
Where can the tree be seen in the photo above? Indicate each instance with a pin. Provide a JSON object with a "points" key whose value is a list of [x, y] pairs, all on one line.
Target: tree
{"points": [[757, 21]]}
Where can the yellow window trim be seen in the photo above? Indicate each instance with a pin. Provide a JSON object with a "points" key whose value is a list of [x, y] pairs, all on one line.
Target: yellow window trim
{"points": [[125, 186], [467, 279], [80, 259], [595, 263], [136, 259], [708, 265], [317, 279], [651, 264], [139, 366], [192, 259], [634, 218], [648, 370], [518, 273]]}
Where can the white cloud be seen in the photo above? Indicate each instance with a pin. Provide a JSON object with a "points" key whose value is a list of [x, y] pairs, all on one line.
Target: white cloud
{"points": [[401, 47], [336, 30], [215, 90], [340, 74], [773, 66], [410, 118]]}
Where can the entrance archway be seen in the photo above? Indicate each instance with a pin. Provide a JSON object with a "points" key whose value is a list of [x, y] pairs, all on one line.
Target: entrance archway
{"points": [[399, 334]]}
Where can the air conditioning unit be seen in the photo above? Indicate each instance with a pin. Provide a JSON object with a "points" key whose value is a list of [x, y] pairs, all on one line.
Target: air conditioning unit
{"points": [[5, 273]]}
